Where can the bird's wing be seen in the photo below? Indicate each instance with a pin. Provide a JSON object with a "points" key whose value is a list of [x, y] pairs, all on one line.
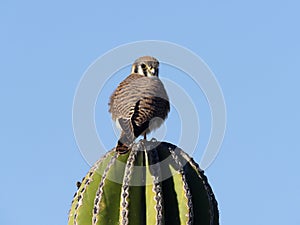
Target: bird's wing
{"points": [[139, 120], [135, 126], [124, 97], [149, 108]]}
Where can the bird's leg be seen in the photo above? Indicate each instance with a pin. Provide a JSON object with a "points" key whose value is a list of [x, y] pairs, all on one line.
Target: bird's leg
{"points": [[145, 136]]}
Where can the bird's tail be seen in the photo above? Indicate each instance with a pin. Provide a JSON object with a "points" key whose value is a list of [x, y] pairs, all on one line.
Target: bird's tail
{"points": [[124, 142], [122, 148]]}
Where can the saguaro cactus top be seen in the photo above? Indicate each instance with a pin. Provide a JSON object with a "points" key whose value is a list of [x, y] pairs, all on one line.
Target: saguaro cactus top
{"points": [[154, 183]]}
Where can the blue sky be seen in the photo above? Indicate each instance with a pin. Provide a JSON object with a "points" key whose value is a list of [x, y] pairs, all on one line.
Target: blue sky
{"points": [[251, 46]]}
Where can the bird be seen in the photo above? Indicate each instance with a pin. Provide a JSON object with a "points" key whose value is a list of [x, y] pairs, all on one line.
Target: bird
{"points": [[140, 103]]}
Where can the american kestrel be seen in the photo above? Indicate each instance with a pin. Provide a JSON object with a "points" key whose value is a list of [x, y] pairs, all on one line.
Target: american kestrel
{"points": [[139, 103]]}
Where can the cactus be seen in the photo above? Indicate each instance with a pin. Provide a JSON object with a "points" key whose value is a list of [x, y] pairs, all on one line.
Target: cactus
{"points": [[154, 183]]}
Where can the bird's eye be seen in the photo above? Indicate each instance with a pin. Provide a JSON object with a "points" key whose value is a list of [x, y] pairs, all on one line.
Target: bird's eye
{"points": [[143, 66]]}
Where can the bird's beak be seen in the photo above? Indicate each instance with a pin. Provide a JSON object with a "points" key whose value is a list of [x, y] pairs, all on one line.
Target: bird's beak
{"points": [[152, 71]]}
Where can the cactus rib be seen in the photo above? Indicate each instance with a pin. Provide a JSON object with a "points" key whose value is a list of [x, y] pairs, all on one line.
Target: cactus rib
{"points": [[153, 183]]}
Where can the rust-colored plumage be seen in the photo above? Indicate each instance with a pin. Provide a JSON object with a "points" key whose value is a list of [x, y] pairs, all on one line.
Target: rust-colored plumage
{"points": [[138, 101]]}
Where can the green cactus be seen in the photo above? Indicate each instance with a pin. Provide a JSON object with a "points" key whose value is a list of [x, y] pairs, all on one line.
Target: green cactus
{"points": [[154, 183]]}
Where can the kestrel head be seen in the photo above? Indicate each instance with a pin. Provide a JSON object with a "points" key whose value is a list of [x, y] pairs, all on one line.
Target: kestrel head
{"points": [[146, 66]]}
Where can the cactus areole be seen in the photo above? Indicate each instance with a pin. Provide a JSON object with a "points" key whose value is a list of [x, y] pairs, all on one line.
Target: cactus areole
{"points": [[153, 183]]}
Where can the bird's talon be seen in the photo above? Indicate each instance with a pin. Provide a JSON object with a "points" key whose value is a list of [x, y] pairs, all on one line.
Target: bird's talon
{"points": [[153, 140]]}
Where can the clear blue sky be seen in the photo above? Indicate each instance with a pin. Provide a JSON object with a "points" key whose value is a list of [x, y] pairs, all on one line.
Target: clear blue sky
{"points": [[252, 47]]}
